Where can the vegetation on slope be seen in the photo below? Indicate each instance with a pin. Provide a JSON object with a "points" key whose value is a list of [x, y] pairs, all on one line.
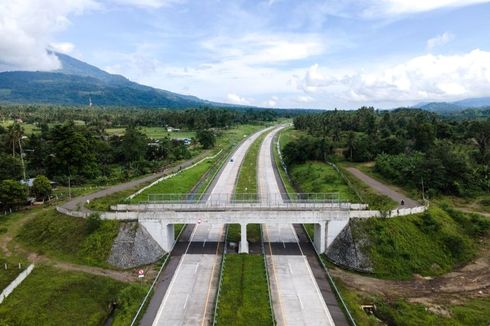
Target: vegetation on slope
{"points": [[431, 243], [400, 312], [53, 297], [244, 298], [83, 241]]}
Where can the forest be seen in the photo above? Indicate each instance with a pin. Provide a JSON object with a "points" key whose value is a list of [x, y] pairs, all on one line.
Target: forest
{"points": [[71, 145], [411, 147]]}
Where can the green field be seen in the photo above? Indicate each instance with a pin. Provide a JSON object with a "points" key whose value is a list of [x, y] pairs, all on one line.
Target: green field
{"points": [[244, 298], [154, 132], [52, 297], [69, 239]]}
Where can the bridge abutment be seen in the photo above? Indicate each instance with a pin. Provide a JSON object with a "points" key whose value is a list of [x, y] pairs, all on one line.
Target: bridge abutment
{"points": [[320, 236], [243, 246], [161, 232]]}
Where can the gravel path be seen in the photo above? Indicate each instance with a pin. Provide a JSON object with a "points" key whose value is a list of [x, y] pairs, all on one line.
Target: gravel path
{"points": [[383, 189], [79, 202]]}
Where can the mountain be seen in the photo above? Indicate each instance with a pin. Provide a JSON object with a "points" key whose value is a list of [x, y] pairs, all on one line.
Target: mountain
{"points": [[77, 82], [448, 107], [474, 102]]}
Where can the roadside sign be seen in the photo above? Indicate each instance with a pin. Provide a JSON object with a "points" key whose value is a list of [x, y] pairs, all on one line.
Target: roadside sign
{"points": [[141, 273]]}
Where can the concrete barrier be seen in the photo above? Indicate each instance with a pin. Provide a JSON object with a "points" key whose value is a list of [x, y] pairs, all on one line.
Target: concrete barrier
{"points": [[68, 212], [388, 214], [15, 283]]}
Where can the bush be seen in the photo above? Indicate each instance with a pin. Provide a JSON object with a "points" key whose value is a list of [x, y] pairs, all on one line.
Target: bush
{"points": [[12, 194], [93, 223], [41, 187]]}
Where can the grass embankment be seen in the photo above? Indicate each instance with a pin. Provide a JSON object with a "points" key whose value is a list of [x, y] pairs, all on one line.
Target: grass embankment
{"points": [[81, 241], [182, 183], [400, 312], [244, 298], [247, 183], [431, 243], [12, 271], [53, 297]]}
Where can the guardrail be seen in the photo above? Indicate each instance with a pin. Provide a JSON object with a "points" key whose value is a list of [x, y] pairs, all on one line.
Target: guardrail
{"points": [[220, 282], [273, 317]]}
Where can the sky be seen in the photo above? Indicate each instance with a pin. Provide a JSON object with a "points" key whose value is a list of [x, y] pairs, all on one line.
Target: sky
{"points": [[269, 53]]}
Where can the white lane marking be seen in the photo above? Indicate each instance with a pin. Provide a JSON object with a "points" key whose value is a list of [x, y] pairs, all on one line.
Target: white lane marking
{"points": [[300, 302], [172, 282], [290, 269], [186, 299], [197, 266]]}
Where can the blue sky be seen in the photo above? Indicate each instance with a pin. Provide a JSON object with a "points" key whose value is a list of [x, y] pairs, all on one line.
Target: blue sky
{"points": [[274, 53]]}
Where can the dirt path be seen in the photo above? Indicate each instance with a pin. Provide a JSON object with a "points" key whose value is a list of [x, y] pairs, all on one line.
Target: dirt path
{"points": [[470, 281], [123, 276], [79, 202], [383, 189]]}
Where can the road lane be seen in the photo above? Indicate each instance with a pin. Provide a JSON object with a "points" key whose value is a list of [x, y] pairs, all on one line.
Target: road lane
{"points": [[189, 299], [296, 298]]}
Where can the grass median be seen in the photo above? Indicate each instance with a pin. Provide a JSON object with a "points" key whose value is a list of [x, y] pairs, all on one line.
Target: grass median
{"points": [[244, 298]]}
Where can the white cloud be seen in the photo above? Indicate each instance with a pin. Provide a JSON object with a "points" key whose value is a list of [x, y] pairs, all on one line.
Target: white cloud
{"points": [[266, 48], [148, 3], [236, 99], [27, 28], [439, 40], [413, 6], [63, 47], [304, 99], [427, 77]]}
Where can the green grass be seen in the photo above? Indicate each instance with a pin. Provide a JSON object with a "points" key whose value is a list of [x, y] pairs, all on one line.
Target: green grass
{"points": [[154, 132], [397, 311], [9, 274], [247, 178], [244, 298], [68, 238], [318, 177], [368, 195], [52, 297], [431, 243], [181, 183], [234, 232]]}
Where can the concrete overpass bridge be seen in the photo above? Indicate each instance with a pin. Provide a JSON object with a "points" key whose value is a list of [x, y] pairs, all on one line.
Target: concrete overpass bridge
{"points": [[161, 212]]}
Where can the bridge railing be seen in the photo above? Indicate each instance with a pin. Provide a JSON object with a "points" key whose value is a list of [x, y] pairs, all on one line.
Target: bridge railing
{"points": [[245, 200]]}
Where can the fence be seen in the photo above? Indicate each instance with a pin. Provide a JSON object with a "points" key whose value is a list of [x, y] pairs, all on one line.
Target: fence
{"points": [[15, 283]]}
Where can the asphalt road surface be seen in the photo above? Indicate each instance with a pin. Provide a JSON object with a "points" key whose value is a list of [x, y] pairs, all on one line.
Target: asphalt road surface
{"points": [[296, 297], [189, 299]]}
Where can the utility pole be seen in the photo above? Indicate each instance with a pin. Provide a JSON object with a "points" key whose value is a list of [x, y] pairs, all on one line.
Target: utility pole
{"points": [[22, 161]]}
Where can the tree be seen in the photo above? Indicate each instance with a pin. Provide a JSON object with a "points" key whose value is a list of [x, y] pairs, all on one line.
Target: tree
{"points": [[206, 138], [12, 194], [41, 187], [133, 146], [10, 167]]}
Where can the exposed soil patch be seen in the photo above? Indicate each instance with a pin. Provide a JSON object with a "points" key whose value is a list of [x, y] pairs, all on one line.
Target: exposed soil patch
{"points": [[469, 281]]}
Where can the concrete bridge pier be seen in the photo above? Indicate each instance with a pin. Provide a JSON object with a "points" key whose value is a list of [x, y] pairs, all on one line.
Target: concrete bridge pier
{"points": [[161, 232], [243, 246], [320, 236]]}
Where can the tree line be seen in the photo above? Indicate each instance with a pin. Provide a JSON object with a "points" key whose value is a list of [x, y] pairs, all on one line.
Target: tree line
{"points": [[73, 153], [409, 146]]}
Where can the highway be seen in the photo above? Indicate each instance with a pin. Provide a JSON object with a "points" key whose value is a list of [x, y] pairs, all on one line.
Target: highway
{"points": [[189, 299], [296, 297]]}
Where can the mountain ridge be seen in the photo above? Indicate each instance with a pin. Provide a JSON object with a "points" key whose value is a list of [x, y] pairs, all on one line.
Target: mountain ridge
{"points": [[77, 82]]}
